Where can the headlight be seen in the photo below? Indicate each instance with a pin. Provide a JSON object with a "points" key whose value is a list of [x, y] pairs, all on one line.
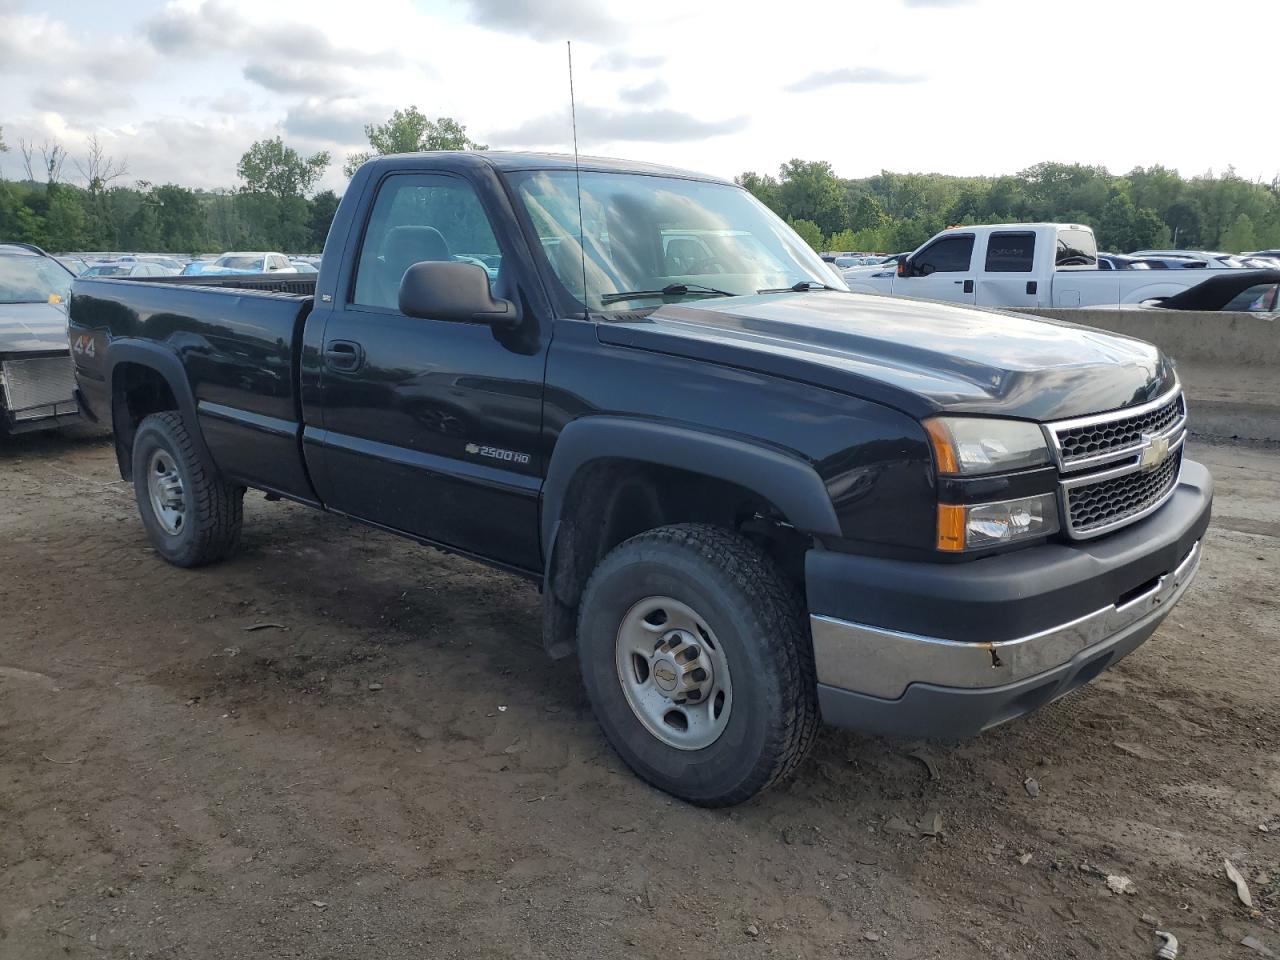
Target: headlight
{"points": [[973, 526], [966, 446]]}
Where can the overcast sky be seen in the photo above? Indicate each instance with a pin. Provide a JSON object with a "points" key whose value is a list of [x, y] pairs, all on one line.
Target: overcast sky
{"points": [[180, 89]]}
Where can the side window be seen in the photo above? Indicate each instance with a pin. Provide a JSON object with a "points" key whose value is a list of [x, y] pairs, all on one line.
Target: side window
{"points": [[1011, 252], [1076, 248], [419, 217], [948, 255]]}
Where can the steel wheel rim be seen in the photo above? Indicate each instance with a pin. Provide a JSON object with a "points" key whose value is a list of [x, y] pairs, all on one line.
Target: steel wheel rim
{"points": [[168, 496], [673, 673]]}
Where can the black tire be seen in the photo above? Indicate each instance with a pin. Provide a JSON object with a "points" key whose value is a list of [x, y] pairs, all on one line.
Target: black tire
{"points": [[758, 621], [214, 510]]}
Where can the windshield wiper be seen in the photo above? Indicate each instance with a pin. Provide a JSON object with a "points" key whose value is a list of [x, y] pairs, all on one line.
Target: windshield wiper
{"points": [[670, 290], [799, 287]]}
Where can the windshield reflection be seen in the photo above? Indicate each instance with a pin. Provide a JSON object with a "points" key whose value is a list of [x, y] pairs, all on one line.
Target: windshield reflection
{"points": [[643, 234]]}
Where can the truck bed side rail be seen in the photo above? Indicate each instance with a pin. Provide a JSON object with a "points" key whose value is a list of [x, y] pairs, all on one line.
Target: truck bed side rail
{"points": [[299, 284]]}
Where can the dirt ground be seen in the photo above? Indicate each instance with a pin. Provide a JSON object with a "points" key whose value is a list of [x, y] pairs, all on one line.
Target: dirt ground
{"points": [[344, 745]]}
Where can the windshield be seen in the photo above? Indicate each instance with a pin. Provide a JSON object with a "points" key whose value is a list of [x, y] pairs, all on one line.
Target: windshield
{"points": [[111, 270], [33, 280], [239, 263], [644, 234]]}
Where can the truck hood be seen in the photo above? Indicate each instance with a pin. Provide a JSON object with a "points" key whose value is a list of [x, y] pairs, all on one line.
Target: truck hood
{"points": [[31, 327], [917, 356]]}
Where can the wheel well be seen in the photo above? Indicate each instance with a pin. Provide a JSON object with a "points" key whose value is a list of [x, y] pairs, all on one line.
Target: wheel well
{"points": [[137, 391], [609, 501]]}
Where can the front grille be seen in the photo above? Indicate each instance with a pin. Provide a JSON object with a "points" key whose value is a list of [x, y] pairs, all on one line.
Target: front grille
{"points": [[42, 387], [1105, 436], [1092, 507]]}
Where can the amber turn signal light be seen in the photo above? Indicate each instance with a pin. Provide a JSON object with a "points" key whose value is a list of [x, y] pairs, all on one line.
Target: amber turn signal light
{"points": [[951, 522], [944, 452]]}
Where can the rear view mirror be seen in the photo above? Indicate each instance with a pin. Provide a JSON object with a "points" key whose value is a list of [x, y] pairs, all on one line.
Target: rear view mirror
{"points": [[454, 291]]}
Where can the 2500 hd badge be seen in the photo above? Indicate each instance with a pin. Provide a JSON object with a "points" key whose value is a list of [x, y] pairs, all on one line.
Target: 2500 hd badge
{"points": [[493, 453]]}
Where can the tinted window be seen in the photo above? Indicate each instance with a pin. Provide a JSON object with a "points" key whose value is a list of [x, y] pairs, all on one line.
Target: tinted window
{"points": [[1265, 298], [1011, 252], [1076, 248], [948, 255], [240, 263], [419, 218]]}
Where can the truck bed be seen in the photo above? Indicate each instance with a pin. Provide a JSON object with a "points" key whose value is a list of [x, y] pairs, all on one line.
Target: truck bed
{"points": [[238, 339]]}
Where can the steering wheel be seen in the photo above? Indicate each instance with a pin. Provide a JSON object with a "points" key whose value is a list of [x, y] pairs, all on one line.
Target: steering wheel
{"points": [[706, 265]]}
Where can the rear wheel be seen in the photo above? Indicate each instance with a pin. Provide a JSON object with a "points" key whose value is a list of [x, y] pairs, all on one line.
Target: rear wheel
{"points": [[191, 516], [698, 664]]}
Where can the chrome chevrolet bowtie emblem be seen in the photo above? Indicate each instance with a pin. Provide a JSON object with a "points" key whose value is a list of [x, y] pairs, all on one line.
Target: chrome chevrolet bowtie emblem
{"points": [[1154, 453]]}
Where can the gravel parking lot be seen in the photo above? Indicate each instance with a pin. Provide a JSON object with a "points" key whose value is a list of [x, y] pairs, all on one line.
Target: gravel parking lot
{"points": [[343, 745]]}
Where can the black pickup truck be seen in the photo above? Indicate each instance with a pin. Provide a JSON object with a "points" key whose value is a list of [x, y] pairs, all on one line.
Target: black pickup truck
{"points": [[752, 499]]}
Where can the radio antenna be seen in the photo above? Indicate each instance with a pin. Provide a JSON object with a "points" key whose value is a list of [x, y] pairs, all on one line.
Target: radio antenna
{"points": [[577, 176]]}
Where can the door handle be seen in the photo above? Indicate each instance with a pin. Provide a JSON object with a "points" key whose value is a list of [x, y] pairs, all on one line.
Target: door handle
{"points": [[968, 285], [343, 355]]}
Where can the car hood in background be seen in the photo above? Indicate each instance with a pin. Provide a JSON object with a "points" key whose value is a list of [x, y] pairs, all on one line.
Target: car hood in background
{"points": [[920, 357], [31, 327]]}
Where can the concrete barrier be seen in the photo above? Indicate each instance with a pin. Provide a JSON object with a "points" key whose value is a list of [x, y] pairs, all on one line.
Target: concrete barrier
{"points": [[1229, 363]]}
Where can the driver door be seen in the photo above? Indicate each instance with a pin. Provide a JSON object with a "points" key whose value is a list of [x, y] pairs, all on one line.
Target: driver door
{"points": [[431, 427], [941, 271]]}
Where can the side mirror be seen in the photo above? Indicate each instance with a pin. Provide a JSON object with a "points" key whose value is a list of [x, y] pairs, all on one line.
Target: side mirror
{"points": [[904, 267], [454, 291]]}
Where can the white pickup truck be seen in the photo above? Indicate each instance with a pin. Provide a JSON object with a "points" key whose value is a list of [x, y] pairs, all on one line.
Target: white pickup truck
{"points": [[1017, 265]]}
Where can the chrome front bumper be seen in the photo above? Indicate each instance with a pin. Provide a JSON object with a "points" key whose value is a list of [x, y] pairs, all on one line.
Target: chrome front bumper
{"points": [[882, 663]]}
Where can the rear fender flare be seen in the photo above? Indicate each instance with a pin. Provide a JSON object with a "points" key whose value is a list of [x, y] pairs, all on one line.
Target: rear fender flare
{"points": [[169, 366]]}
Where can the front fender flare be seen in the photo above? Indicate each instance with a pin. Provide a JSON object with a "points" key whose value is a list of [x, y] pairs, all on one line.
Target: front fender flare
{"points": [[789, 483]]}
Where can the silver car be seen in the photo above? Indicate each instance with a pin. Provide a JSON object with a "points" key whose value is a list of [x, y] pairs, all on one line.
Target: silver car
{"points": [[37, 382]]}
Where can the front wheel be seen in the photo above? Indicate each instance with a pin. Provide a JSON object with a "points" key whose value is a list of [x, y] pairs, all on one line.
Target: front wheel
{"points": [[698, 664], [191, 516]]}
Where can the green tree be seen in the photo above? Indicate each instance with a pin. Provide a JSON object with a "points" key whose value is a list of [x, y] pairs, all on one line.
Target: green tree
{"points": [[272, 168], [809, 232], [180, 219], [408, 131], [1185, 222], [65, 221], [868, 214], [323, 207], [273, 203], [763, 187], [844, 240], [810, 190], [1240, 236]]}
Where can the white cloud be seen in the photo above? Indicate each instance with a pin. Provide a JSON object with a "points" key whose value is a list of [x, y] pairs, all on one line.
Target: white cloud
{"points": [[850, 75], [655, 89], [622, 60], [336, 123], [562, 20], [79, 97], [665, 81], [306, 78], [598, 125]]}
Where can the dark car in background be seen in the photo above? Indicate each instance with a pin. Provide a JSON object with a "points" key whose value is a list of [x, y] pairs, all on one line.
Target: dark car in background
{"points": [[37, 381], [128, 268], [1118, 261]]}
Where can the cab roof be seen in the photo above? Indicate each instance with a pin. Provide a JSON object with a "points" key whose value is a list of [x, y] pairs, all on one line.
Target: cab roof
{"points": [[14, 249], [510, 161]]}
